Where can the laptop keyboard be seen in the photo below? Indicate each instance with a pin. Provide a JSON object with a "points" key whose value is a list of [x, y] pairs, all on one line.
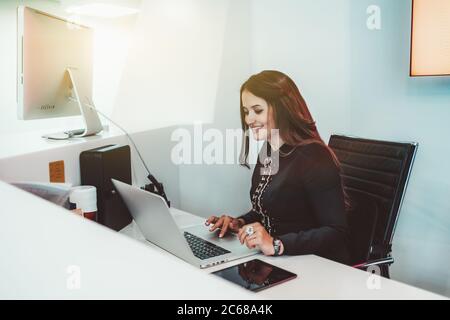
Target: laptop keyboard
{"points": [[203, 249]]}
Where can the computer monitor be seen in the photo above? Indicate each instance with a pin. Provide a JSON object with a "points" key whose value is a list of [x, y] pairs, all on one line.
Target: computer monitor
{"points": [[55, 58]]}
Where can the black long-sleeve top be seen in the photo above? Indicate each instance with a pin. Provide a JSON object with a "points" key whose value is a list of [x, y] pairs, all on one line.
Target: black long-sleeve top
{"points": [[303, 203]]}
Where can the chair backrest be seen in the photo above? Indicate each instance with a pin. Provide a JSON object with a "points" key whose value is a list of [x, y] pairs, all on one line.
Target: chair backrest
{"points": [[375, 175], [362, 221]]}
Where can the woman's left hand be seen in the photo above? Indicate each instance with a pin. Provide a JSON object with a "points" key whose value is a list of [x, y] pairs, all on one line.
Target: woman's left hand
{"points": [[260, 238]]}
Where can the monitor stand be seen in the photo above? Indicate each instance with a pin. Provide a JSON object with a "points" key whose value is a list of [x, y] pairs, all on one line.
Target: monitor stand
{"points": [[92, 124]]}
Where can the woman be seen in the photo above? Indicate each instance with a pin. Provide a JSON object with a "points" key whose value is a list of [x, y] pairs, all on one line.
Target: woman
{"points": [[300, 209]]}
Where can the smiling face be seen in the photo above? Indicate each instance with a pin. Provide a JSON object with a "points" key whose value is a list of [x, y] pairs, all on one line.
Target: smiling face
{"points": [[258, 115]]}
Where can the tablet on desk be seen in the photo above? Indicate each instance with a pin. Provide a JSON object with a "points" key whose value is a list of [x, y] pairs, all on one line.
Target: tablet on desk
{"points": [[255, 275]]}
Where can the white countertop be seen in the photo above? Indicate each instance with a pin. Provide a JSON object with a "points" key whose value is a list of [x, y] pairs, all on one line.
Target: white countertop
{"points": [[39, 241], [17, 144], [317, 278]]}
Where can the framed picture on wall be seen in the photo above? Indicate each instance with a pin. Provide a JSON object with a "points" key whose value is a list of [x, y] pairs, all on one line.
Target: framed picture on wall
{"points": [[430, 38]]}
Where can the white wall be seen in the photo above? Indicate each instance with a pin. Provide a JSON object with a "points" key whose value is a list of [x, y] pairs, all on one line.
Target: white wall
{"points": [[290, 36], [172, 74], [217, 189], [356, 81], [309, 41], [387, 104], [110, 51], [185, 66]]}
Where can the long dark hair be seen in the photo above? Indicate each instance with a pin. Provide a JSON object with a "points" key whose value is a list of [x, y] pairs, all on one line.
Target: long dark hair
{"points": [[291, 115]]}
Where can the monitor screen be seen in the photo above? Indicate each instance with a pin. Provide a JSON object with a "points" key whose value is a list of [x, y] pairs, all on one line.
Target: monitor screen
{"points": [[47, 47], [430, 38]]}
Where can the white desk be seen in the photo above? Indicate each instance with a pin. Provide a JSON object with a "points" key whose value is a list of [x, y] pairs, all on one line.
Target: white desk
{"points": [[26, 156], [39, 241], [30, 142], [317, 278]]}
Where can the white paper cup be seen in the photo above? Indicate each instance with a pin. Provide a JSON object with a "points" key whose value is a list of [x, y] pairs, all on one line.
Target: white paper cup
{"points": [[84, 198]]}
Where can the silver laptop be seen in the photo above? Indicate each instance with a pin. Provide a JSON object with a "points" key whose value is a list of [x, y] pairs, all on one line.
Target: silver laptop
{"points": [[194, 244]]}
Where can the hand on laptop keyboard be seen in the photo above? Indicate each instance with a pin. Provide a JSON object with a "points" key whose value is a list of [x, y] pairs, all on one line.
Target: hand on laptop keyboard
{"points": [[224, 223]]}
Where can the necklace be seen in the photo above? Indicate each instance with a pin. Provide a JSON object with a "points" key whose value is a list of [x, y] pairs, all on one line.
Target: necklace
{"points": [[285, 154]]}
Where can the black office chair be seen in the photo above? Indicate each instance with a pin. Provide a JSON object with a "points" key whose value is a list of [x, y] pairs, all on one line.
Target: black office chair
{"points": [[375, 175]]}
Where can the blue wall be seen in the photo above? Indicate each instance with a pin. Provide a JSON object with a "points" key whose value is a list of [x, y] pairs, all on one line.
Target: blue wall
{"points": [[387, 104]]}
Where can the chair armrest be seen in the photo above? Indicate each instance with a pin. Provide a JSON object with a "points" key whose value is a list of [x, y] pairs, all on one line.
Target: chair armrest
{"points": [[378, 262]]}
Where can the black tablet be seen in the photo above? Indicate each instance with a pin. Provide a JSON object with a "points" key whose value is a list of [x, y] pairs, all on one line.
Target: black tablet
{"points": [[255, 275]]}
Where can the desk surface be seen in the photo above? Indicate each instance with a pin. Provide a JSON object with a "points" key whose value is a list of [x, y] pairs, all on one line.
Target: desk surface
{"points": [[32, 141], [317, 278], [40, 241]]}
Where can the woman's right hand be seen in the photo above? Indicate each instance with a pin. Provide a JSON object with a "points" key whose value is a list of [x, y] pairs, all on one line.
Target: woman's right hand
{"points": [[224, 223]]}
